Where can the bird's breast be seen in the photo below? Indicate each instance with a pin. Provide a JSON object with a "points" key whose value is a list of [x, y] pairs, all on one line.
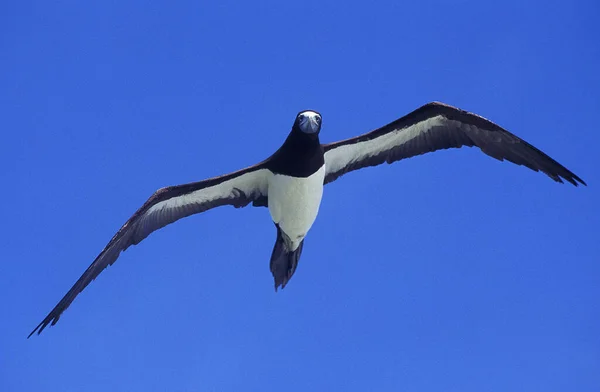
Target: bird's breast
{"points": [[294, 202]]}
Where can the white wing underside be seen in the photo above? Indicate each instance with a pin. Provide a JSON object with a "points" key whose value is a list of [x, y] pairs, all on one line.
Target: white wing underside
{"points": [[166, 206], [434, 127], [345, 155]]}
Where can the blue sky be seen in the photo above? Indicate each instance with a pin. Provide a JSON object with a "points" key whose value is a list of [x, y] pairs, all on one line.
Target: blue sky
{"points": [[446, 272]]}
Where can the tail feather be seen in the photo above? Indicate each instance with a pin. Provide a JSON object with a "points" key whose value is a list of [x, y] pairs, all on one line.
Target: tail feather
{"points": [[283, 260]]}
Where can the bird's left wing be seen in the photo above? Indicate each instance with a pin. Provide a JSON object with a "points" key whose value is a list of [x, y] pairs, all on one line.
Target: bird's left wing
{"points": [[433, 127], [166, 206]]}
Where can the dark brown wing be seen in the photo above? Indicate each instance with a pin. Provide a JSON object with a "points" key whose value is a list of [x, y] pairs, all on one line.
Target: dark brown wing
{"points": [[433, 127], [166, 206]]}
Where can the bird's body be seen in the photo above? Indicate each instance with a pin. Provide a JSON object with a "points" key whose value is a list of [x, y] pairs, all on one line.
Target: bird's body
{"points": [[294, 203], [290, 182]]}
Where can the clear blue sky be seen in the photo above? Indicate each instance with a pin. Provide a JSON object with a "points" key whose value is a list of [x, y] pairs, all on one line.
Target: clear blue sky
{"points": [[446, 272]]}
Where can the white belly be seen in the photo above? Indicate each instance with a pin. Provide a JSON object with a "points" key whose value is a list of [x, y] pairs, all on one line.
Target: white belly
{"points": [[294, 203]]}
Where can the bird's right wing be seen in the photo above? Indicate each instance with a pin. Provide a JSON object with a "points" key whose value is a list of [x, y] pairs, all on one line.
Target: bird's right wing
{"points": [[166, 206], [433, 127]]}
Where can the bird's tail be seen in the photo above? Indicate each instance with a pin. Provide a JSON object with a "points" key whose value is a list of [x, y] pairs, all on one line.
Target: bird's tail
{"points": [[283, 260]]}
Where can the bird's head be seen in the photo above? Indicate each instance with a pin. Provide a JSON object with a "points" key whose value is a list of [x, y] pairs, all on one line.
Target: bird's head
{"points": [[308, 122]]}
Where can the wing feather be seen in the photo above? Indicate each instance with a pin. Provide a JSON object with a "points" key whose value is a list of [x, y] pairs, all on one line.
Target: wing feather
{"points": [[166, 206], [433, 127]]}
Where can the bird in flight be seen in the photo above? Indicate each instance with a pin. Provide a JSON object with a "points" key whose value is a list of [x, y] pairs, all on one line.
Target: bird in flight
{"points": [[290, 182]]}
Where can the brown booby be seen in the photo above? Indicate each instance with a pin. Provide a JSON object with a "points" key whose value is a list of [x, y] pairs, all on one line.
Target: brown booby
{"points": [[290, 182]]}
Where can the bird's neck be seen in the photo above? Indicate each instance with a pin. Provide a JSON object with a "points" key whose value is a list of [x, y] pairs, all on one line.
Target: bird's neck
{"points": [[300, 154]]}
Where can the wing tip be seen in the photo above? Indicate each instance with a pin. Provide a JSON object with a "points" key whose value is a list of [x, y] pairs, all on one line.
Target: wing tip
{"points": [[40, 327], [49, 320], [570, 178], [576, 180]]}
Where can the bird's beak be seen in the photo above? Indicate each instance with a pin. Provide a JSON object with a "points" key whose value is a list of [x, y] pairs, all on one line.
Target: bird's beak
{"points": [[310, 125]]}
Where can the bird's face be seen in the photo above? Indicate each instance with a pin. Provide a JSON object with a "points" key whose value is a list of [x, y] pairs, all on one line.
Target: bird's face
{"points": [[309, 122]]}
